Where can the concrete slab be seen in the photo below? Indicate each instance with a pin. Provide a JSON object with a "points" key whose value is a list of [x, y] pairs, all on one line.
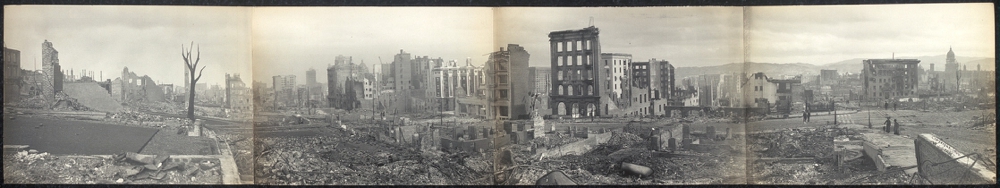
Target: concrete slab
{"points": [[58, 136], [942, 164], [890, 151]]}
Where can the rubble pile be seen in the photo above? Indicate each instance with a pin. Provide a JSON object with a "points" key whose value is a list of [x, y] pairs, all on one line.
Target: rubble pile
{"points": [[127, 168], [134, 118], [161, 107], [35, 102], [625, 139], [555, 140], [818, 144], [359, 160], [241, 146], [792, 143], [603, 166]]}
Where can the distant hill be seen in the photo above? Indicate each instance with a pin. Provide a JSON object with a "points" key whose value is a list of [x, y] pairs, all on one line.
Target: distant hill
{"points": [[734, 68], [854, 65], [850, 65]]}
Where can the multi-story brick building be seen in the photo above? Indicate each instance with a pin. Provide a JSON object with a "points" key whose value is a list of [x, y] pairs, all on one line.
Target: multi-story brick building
{"points": [[574, 61], [238, 95], [509, 83], [12, 80], [889, 78]]}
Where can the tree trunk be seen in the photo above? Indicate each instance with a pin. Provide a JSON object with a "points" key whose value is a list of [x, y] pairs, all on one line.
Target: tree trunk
{"points": [[190, 110]]}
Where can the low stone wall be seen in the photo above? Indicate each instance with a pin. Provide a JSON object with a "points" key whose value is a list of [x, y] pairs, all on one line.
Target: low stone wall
{"points": [[941, 164], [579, 147]]}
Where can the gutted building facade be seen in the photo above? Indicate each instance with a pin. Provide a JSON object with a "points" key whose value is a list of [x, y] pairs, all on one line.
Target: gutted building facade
{"points": [[889, 78], [576, 90]]}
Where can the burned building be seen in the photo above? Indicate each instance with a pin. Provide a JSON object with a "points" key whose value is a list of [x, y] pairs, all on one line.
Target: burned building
{"points": [[51, 71], [574, 63], [12, 80], [889, 78], [661, 74], [131, 88], [828, 77], [510, 84], [237, 94], [284, 90]]}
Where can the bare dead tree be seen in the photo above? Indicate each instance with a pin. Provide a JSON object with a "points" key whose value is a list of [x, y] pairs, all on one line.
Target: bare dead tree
{"points": [[192, 66]]}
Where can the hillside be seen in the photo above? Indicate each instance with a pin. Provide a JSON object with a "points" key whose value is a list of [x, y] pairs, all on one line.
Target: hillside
{"points": [[850, 65]]}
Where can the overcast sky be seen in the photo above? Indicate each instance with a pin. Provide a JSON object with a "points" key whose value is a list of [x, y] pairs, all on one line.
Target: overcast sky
{"points": [[146, 39], [825, 34], [290, 40]]}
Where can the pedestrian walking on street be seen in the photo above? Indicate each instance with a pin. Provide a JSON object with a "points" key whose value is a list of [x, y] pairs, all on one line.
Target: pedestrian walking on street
{"points": [[894, 106], [896, 128], [886, 105]]}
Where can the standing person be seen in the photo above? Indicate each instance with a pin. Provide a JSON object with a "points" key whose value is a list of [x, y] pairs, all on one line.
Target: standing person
{"points": [[804, 115], [886, 105], [895, 128], [888, 123], [894, 106], [808, 115]]}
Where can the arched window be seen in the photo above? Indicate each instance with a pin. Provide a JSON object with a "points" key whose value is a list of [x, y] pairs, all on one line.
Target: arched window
{"points": [[570, 90], [560, 88]]}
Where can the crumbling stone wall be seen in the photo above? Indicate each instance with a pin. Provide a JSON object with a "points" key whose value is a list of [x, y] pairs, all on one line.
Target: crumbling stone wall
{"points": [[51, 71]]}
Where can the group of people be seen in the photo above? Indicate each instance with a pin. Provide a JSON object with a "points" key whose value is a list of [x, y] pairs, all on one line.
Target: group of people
{"points": [[889, 126]]}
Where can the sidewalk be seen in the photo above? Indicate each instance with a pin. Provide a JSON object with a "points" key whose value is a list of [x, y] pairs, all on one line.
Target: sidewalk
{"points": [[816, 114]]}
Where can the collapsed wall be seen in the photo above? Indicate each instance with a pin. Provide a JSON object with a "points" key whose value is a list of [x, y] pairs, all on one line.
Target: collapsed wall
{"points": [[91, 95]]}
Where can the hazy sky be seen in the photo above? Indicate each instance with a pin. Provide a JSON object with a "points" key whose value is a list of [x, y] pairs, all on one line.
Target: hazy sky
{"points": [[290, 40], [146, 39], [685, 36], [825, 34]]}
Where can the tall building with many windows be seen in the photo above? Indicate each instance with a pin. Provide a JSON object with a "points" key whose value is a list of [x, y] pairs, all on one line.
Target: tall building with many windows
{"points": [[889, 78], [575, 73], [509, 83]]}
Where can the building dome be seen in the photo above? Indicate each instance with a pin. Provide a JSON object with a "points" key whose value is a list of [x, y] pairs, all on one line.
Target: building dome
{"points": [[951, 56]]}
